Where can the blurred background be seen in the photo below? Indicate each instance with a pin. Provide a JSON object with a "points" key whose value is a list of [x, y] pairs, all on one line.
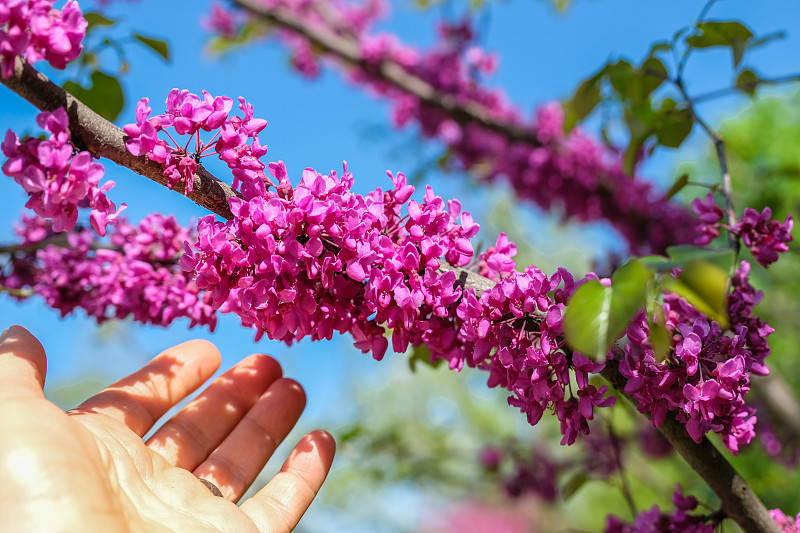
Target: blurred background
{"points": [[428, 449]]}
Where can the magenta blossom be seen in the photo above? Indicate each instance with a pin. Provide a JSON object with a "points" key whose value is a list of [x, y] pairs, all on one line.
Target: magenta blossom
{"points": [[34, 30], [57, 181]]}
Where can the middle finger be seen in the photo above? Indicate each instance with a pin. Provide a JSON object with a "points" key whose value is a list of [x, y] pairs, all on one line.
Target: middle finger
{"points": [[190, 436]]}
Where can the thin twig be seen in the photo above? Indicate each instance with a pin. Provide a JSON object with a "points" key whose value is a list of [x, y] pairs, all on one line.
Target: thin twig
{"points": [[719, 146], [718, 93]]}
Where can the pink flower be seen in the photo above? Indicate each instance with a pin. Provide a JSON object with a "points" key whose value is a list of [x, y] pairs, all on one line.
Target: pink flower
{"points": [[766, 238], [58, 182]]}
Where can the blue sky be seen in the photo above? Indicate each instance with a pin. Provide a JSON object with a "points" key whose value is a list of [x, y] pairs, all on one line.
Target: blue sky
{"points": [[319, 123]]}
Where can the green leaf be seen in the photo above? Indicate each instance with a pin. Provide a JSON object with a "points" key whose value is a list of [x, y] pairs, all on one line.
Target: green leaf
{"points": [[674, 127], [421, 354], [158, 46], [747, 81], [715, 33], [653, 73], [705, 286], [679, 184], [661, 46], [583, 101], [105, 96], [631, 156], [660, 339], [597, 315], [657, 263], [573, 484], [96, 20], [627, 82]]}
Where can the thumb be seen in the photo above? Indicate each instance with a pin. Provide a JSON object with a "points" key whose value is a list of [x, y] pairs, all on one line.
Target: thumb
{"points": [[23, 363]]}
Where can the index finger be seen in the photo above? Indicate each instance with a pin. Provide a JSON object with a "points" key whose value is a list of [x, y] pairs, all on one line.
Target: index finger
{"points": [[23, 364], [139, 400]]}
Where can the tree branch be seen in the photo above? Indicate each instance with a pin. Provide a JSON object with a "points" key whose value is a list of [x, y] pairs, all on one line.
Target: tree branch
{"points": [[101, 138], [348, 51]]}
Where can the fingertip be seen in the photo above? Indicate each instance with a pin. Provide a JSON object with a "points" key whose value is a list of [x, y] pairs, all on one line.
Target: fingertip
{"points": [[197, 350], [313, 455], [294, 388], [18, 344], [262, 364]]}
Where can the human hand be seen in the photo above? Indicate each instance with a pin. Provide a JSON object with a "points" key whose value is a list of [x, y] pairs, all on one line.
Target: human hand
{"points": [[88, 469]]}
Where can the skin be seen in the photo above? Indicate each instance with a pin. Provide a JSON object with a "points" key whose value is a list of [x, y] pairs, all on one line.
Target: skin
{"points": [[89, 470]]}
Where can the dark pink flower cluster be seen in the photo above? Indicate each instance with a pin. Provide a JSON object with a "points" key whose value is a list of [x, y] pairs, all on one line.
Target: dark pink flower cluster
{"points": [[537, 476], [656, 521], [514, 332], [704, 382], [58, 180], [188, 114], [311, 260], [571, 174], [34, 30], [221, 21], [524, 471], [134, 274], [765, 237], [709, 214]]}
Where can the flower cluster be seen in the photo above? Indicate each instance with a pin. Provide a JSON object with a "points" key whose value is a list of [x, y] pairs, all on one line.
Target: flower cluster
{"points": [[311, 260], [57, 180], [34, 30], [709, 214], [188, 114], [765, 237], [656, 521], [572, 174], [134, 274], [221, 21], [531, 471], [514, 332], [706, 378]]}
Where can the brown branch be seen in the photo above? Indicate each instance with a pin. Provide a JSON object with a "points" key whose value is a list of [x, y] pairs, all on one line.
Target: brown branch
{"points": [[348, 51], [101, 138]]}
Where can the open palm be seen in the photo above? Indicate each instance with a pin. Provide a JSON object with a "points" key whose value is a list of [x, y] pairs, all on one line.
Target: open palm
{"points": [[89, 470]]}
